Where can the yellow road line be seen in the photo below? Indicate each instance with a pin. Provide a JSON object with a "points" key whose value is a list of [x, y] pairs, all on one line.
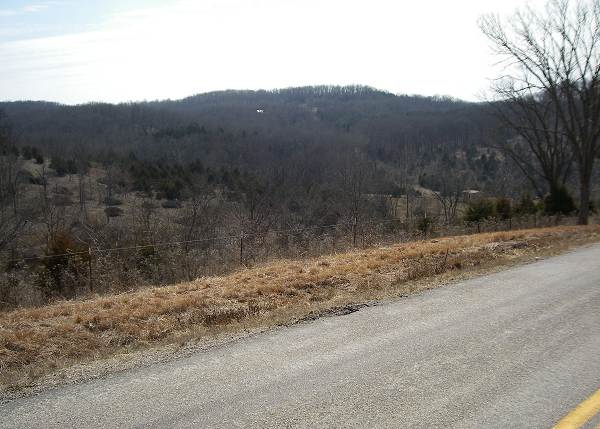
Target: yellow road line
{"points": [[581, 414]]}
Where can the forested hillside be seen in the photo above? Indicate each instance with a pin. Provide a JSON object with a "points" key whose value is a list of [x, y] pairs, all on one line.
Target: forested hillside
{"points": [[298, 132], [248, 165]]}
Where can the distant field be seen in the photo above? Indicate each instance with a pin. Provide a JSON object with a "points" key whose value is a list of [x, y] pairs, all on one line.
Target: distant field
{"points": [[34, 342]]}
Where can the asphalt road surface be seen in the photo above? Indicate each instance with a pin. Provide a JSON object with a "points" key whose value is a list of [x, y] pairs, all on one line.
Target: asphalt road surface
{"points": [[519, 348]]}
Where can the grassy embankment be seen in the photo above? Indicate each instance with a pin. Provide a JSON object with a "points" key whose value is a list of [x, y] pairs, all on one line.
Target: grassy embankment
{"points": [[37, 341]]}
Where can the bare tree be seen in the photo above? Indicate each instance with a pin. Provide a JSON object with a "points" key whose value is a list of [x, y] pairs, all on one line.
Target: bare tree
{"points": [[10, 166], [252, 213], [12, 220], [555, 53], [52, 217], [449, 197], [198, 221], [352, 179], [540, 149], [82, 193]]}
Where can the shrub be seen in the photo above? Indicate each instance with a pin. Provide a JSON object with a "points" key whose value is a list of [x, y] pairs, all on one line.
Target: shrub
{"points": [[526, 206], [25, 176], [149, 205], [559, 201], [113, 211], [425, 224], [504, 208], [480, 210], [37, 180], [19, 289], [62, 190], [171, 189], [71, 166], [62, 273], [171, 204], [27, 152], [61, 200], [59, 165], [112, 201]]}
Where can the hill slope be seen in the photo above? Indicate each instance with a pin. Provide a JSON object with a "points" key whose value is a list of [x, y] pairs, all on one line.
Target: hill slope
{"points": [[295, 128]]}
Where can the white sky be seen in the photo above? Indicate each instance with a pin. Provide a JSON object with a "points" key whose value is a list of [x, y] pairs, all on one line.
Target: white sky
{"points": [[176, 48]]}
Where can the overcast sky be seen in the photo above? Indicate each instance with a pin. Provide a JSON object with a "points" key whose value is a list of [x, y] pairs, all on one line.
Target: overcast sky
{"points": [[75, 51]]}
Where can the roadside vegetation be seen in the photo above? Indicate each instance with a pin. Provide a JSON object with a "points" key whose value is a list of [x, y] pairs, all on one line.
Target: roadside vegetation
{"points": [[38, 341]]}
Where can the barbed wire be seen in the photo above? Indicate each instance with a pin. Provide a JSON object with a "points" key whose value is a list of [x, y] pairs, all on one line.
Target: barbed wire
{"points": [[243, 235]]}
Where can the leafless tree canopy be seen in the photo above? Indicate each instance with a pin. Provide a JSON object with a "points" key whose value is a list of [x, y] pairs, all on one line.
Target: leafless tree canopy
{"points": [[551, 74]]}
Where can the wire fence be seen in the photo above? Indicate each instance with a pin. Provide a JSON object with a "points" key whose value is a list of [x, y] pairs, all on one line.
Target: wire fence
{"points": [[108, 269], [362, 230]]}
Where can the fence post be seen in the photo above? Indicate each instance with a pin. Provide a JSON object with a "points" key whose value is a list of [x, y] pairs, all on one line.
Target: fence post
{"points": [[242, 248], [333, 237], [90, 274]]}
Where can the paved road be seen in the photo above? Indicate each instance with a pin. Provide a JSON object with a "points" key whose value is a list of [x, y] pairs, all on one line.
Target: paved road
{"points": [[519, 348]]}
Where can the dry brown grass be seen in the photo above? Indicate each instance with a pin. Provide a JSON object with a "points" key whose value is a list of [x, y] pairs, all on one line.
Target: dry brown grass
{"points": [[37, 341]]}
